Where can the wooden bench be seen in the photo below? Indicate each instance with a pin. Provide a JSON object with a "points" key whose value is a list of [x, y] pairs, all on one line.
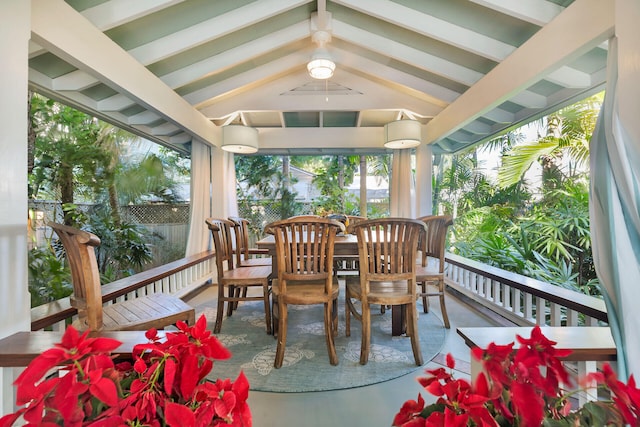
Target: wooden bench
{"points": [[588, 344]]}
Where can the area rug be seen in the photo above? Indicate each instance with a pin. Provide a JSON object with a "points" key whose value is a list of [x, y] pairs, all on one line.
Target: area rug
{"points": [[306, 365]]}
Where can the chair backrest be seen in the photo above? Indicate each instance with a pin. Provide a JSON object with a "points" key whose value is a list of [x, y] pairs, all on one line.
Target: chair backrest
{"points": [[80, 247], [387, 248], [304, 248], [432, 242], [221, 231], [241, 236]]}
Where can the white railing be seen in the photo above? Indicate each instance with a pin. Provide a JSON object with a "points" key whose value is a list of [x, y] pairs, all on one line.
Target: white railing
{"points": [[520, 299]]}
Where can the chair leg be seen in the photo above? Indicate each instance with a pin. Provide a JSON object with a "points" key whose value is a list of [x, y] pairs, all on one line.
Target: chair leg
{"points": [[412, 331], [220, 309], [425, 298], [347, 313], [334, 317], [366, 333], [232, 305], [274, 317], [328, 332], [282, 335], [267, 306], [443, 307]]}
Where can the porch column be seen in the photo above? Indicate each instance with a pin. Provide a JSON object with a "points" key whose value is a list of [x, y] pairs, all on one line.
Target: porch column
{"points": [[15, 315], [424, 174]]}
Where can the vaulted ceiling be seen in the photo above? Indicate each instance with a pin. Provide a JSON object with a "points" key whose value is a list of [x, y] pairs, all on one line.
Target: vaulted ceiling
{"points": [[176, 70]]}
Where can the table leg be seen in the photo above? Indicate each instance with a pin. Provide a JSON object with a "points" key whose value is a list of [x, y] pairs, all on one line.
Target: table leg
{"points": [[398, 324]]}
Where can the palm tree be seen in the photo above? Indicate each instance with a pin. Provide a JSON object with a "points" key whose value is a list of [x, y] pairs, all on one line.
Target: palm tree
{"points": [[567, 139]]}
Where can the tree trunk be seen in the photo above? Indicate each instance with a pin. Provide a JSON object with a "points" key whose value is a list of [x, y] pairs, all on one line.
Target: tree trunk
{"points": [[341, 182], [114, 205], [363, 186], [66, 192], [31, 136]]}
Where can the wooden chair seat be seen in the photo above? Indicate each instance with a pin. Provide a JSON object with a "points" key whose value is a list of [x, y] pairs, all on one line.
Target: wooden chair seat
{"points": [[306, 293], [151, 311]]}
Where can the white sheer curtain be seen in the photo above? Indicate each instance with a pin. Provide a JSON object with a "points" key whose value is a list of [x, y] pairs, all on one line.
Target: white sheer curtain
{"points": [[615, 192], [198, 239], [213, 192], [402, 193], [223, 195]]}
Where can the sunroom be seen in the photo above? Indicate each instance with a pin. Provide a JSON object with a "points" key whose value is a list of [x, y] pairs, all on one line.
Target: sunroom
{"points": [[176, 72]]}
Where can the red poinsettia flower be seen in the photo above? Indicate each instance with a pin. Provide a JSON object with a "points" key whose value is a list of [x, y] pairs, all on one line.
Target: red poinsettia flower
{"points": [[519, 388], [165, 385]]}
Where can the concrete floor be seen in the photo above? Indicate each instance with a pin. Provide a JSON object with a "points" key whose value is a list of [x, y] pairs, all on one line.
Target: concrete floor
{"points": [[369, 406]]}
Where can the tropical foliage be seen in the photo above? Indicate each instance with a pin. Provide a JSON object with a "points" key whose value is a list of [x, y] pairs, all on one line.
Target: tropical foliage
{"points": [[78, 159], [539, 231]]}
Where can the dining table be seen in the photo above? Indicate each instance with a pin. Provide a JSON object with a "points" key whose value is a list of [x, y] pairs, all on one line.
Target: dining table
{"points": [[345, 244]]}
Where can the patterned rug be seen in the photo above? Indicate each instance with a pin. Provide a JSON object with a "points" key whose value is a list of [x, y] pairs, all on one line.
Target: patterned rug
{"points": [[306, 366]]}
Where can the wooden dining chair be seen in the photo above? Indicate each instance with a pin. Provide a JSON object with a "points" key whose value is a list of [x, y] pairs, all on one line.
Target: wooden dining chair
{"points": [[235, 280], [245, 255], [430, 268], [304, 257], [141, 313], [387, 249]]}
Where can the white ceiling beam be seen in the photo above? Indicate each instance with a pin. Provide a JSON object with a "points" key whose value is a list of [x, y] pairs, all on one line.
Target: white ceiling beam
{"points": [[165, 129], [75, 80], [539, 12], [143, 118], [440, 95], [499, 116], [61, 30], [118, 12], [211, 29], [432, 27], [328, 138], [578, 29], [455, 35], [237, 55], [249, 79], [407, 54], [117, 102]]}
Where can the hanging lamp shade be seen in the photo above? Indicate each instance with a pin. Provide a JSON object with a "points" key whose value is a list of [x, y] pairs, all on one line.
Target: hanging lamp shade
{"points": [[402, 134], [239, 139], [321, 65]]}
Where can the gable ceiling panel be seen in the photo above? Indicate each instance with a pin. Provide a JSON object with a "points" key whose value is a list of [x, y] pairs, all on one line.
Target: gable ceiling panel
{"points": [[466, 69]]}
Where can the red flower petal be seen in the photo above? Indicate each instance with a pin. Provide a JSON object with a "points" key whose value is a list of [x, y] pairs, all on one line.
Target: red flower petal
{"points": [[105, 390], [169, 375], [179, 415], [451, 362]]}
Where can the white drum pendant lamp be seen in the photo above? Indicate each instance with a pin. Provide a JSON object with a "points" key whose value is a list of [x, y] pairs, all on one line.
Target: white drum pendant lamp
{"points": [[402, 134], [239, 139], [321, 65]]}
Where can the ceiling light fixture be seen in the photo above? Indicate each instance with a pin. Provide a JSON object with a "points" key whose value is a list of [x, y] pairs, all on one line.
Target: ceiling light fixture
{"points": [[239, 139], [402, 134], [321, 65]]}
